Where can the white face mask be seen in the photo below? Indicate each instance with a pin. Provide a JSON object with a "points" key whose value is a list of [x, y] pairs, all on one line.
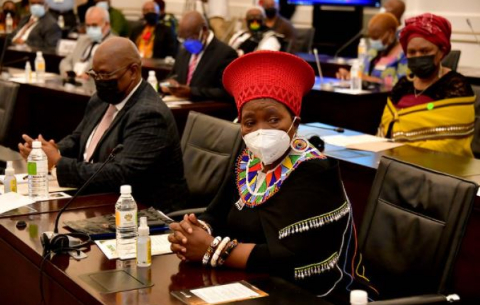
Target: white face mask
{"points": [[268, 144]]}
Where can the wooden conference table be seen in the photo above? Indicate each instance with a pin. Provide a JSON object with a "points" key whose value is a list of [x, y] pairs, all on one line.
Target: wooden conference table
{"points": [[54, 111], [358, 169], [20, 254]]}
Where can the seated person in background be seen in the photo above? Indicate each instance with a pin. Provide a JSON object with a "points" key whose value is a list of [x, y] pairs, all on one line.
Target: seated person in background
{"points": [[9, 7], [395, 7], [434, 107], [385, 63], [97, 21], [63, 8], [167, 19], [118, 22], [258, 36], [125, 110], [198, 69], [217, 14], [38, 30], [152, 38], [282, 184], [23, 8], [276, 22]]}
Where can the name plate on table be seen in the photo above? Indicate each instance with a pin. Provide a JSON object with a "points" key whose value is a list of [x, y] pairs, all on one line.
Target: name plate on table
{"points": [[66, 46]]}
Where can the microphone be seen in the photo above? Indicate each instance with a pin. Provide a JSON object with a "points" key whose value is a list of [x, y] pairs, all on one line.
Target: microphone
{"points": [[473, 31], [348, 43], [317, 61], [25, 58], [337, 129], [59, 242]]}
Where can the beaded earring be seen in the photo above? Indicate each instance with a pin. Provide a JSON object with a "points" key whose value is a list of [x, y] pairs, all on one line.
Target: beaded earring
{"points": [[299, 144]]}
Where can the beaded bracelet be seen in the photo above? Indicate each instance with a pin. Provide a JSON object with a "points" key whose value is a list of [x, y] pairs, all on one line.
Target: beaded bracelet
{"points": [[213, 246], [205, 226], [226, 253], [213, 260]]}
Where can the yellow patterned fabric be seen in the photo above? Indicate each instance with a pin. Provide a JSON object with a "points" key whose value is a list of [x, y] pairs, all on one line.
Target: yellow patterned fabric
{"points": [[443, 125]]}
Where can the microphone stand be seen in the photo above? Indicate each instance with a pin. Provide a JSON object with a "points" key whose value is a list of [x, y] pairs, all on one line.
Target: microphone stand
{"points": [[60, 242], [344, 46]]}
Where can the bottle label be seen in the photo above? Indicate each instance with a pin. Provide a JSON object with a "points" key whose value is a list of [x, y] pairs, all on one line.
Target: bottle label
{"points": [[13, 185], [144, 252], [32, 168], [126, 218]]}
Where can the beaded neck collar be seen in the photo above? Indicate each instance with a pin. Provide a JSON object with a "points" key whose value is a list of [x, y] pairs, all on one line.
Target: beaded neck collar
{"points": [[249, 167]]}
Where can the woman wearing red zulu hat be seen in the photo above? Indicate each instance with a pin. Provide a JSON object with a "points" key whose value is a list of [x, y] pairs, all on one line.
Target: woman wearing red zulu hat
{"points": [[285, 212]]}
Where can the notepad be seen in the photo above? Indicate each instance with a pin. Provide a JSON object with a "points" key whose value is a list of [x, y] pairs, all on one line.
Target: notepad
{"points": [[160, 245]]}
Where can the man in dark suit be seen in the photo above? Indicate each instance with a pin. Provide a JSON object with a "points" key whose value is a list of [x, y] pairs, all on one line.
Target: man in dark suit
{"points": [[199, 65], [125, 110], [152, 38], [39, 29]]}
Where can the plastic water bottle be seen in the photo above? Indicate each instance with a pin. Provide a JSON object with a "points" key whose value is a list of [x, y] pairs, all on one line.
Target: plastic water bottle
{"points": [[8, 24], [28, 72], [358, 297], [40, 67], [356, 76], [126, 223], [37, 168], [144, 244], [362, 50], [61, 22], [10, 182], [152, 80]]}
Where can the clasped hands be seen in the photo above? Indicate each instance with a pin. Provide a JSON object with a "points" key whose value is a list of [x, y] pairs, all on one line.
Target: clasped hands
{"points": [[189, 241], [49, 147]]}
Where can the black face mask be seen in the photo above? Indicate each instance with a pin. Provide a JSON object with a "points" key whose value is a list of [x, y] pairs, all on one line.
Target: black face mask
{"points": [[422, 66], [270, 12], [151, 18], [107, 91]]}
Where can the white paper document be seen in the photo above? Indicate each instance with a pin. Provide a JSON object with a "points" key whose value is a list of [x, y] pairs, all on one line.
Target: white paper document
{"points": [[224, 293], [12, 200], [160, 245], [345, 141]]}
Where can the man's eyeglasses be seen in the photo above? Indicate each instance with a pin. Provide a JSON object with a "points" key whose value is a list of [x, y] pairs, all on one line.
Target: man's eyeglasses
{"points": [[103, 76]]}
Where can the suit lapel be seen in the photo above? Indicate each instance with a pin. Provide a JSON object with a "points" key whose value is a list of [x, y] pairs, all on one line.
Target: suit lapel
{"points": [[183, 66], [204, 62]]}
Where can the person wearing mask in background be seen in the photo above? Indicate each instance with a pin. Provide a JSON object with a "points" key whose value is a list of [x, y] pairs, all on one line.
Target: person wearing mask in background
{"points": [[9, 7], [258, 36], [276, 22], [118, 22], [395, 7], [125, 110], [386, 62], [152, 38], [167, 19], [197, 72], [39, 29], [23, 8], [434, 107], [97, 21], [63, 8]]}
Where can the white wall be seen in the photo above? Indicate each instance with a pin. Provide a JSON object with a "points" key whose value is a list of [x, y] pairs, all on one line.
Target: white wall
{"points": [[454, 10]]}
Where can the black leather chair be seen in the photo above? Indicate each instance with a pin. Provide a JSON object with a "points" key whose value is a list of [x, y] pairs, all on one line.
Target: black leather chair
{"points": [[210, 148], [304, 40], [475, 145], [8, 99], [452, 59], [412, 229]]}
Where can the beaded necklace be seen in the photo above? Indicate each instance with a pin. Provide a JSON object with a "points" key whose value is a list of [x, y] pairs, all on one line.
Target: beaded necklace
{"points": [[249, 167]]}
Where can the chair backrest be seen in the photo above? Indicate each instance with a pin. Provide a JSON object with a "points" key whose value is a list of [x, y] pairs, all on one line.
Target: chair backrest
{"points": [[210, 147], [452, 59], [8, 98], [303, 40], [475, 145], [413, 226]]}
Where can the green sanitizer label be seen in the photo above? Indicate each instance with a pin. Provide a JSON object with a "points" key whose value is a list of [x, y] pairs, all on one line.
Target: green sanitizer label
{"points": [[32, 168]]}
